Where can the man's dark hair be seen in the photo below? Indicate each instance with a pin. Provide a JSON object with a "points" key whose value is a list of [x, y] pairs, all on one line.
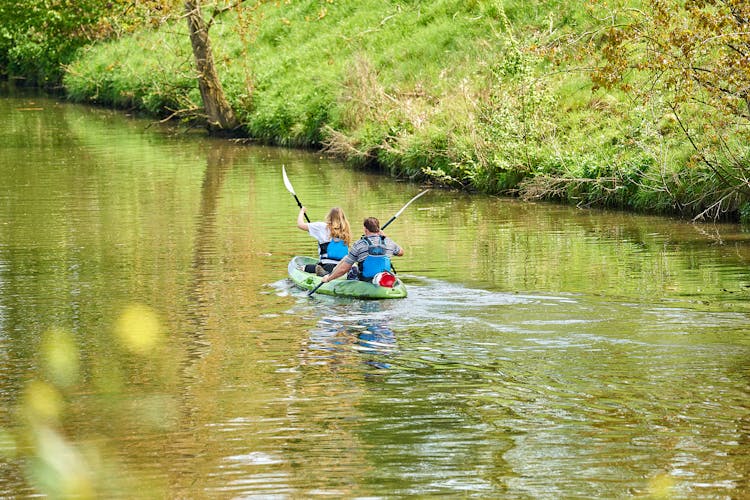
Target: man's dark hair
{"points": [[372, 224]]}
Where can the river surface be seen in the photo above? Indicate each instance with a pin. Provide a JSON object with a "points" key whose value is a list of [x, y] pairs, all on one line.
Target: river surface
{"points": [[152, 346]]}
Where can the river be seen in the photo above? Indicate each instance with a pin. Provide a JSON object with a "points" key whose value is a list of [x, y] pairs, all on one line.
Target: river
{"points": [[151, 344]]}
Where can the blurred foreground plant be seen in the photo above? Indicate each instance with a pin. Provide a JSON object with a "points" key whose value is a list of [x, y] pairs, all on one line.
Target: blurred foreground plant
{"points": [[61, 459]]}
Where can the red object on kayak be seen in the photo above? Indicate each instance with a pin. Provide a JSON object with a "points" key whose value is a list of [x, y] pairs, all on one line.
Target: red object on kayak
{"points": [[384, 279]]}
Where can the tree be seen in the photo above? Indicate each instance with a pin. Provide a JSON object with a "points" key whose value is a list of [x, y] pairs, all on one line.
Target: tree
{"points": [[695, 56], [220, 116], [697, 52]]}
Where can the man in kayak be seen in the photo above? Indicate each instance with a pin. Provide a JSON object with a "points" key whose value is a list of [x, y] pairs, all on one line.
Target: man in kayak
{"points": [[372, 253], [334, 238]]}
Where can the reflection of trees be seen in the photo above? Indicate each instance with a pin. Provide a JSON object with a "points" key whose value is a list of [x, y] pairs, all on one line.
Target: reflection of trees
{"points": [[510, 245], [202, 294], [64, 264], [44, 269], [202, 291]]}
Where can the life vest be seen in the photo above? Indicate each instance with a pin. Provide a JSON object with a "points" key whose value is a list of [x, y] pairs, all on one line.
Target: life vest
{"points": [[377, 259], [333, 251]]}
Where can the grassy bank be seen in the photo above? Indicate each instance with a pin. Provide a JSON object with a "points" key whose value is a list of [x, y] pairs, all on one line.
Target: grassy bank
{"points": [[463, 93]]}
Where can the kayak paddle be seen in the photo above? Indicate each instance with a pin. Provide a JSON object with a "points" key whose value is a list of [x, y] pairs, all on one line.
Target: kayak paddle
{"points": [[399, 213], [311, 292], [402, 209], [290, 188]]}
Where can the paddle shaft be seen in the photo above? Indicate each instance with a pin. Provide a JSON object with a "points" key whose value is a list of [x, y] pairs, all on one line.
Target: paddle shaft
{"points": [[399, 213], [387, 223], [311, 292], [300, 206], [402, 209]]}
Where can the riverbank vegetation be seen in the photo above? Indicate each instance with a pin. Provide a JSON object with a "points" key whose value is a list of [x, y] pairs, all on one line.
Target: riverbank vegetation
{"points": [[584, 102]]}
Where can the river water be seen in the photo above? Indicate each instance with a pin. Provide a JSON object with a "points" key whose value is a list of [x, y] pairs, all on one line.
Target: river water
{"points": [[151, 344]]}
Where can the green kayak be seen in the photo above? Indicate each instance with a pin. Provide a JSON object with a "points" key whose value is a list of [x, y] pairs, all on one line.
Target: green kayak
{"points": [[341, 287]]}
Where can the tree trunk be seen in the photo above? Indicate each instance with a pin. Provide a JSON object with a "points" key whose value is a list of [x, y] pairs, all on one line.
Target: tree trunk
{"points": [[220, 116]]}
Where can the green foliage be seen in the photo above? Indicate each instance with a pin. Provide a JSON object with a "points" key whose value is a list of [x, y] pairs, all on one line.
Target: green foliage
{"points": [[691, 61], [39, 37]]}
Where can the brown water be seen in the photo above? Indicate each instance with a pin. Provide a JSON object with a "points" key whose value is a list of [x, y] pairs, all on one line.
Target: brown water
{"points": [[152, 346]]}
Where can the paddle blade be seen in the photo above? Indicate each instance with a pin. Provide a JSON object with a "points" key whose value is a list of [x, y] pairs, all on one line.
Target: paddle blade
{"points": [[287, 183]]}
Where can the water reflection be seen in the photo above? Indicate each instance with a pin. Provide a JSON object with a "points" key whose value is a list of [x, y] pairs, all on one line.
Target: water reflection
{"points": [[205, 270], [359, 331]]}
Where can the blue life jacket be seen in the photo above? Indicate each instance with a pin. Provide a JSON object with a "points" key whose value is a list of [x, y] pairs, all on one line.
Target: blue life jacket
{"points": [[377, 259], [333, 251]]}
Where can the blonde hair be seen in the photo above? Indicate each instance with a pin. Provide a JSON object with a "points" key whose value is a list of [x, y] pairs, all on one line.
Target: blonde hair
{"points": [[338, 225]]}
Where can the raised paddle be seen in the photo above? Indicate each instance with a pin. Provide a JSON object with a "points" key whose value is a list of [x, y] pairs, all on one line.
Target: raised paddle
{"points": [[402, 209], [311, 292], [290, 188], [399, 213]]}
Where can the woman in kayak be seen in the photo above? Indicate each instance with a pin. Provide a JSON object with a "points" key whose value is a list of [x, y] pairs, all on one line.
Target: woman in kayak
{"points": [[334, 237]]}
